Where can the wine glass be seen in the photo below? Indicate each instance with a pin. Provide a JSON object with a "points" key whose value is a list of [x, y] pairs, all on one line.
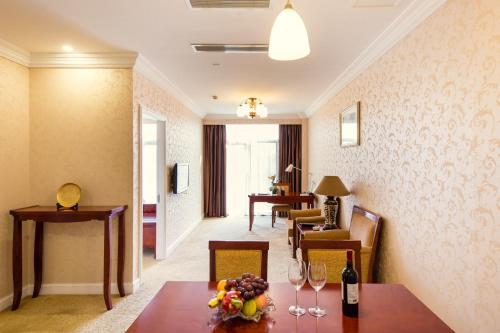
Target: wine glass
{"points": [[297, 275], [317, 280]]}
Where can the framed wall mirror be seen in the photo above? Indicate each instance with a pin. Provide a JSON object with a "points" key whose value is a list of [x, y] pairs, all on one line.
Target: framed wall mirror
{"points": [[349, 126]]}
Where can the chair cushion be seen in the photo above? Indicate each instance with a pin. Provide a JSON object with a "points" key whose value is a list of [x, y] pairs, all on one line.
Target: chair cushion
{"points": [[366, 253], [335, 261], [233, 263], [281, 208], [362, 229]]}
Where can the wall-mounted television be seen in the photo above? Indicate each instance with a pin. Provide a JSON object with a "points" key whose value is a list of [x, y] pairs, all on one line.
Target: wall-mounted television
{"points": [[180, 180]]}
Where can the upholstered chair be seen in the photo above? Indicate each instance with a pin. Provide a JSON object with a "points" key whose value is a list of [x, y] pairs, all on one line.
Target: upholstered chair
{"points": [[231, 259], [333, 254], [365, 226], [302, 216], [280, 208]]}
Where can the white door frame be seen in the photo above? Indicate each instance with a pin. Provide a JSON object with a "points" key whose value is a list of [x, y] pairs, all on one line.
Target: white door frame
{"points": [[161, 241]]}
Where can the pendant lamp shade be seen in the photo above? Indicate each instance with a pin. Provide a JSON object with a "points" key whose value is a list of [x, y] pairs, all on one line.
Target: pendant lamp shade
{"points": [[289, 39]]}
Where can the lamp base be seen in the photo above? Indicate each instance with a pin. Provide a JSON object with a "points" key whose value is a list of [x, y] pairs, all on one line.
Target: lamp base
{"points": [[331, 209], [328, 226]]}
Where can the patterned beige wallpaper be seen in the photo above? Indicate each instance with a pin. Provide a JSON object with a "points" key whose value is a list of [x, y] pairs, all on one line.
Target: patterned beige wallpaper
{"points": [[430, 145], [14, 157], [81, 131], [184, 144]]}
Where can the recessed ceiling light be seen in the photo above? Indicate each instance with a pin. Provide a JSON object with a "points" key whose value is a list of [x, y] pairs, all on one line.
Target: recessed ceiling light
{"points": [[67, 48]]}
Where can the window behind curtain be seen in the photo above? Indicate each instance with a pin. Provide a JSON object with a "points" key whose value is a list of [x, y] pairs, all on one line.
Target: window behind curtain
{"points": [[252, 152]]}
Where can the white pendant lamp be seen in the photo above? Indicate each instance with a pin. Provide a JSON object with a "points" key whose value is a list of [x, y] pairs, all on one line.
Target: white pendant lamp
{"points": [[289, 40]]}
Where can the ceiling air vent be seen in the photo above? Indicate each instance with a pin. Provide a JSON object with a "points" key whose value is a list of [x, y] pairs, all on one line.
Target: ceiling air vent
{"points": [[228, 3], [231, 48], [374, 3]]}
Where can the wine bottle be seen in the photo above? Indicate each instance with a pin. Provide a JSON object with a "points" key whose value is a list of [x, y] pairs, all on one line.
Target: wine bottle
{"points": [[350, 292]]}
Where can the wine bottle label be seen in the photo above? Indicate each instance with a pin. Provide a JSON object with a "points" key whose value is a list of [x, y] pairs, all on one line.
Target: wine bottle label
{"points": [[352, 293]]}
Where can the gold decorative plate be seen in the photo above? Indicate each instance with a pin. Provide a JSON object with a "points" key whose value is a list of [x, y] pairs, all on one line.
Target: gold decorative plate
{"points": [[68, 195]]}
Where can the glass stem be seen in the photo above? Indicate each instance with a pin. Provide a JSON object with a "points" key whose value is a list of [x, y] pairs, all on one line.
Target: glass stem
{"points": [[296, 298], [317, 307]]}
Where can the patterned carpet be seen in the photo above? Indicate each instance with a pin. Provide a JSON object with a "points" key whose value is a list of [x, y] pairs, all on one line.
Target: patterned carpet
{"points": [[189, 262]]}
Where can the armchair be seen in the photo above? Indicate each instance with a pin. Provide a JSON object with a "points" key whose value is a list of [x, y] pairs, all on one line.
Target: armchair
{"points": [[365, 227], [302, 216]]}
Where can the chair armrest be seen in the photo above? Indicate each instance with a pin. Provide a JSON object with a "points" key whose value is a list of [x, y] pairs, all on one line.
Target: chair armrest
{"points": [[294, 213], [310, 219], [337, 234]]}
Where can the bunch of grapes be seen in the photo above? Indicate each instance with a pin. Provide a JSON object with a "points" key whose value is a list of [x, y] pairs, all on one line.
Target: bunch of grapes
{"points": [[248, 285]]}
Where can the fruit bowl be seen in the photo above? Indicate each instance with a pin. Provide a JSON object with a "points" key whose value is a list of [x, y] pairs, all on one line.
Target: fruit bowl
{"points": [[243, 297]]}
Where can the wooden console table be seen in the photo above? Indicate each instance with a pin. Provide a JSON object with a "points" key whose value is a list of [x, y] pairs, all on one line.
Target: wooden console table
{"points": [[289, 199], [49, 214]]}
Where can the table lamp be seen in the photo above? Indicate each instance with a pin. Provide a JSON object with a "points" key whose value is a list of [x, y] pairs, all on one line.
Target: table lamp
{"points": [[332, 187], [290, 168]]}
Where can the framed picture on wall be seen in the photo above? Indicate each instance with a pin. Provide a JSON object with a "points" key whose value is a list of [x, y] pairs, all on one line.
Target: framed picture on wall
{"points": [[349, 126]]}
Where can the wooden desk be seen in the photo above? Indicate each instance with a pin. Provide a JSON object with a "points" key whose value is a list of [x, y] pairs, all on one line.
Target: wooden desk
{"points": [[49, 214], [384, 308], [288, 199]]}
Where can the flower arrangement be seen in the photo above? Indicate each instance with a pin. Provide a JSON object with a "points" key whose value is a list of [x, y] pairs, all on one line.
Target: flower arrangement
{"points": [[273, 188], [243, 297]]}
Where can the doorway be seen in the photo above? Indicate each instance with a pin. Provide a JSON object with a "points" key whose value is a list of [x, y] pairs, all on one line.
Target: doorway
{"points": [[152, 188]]}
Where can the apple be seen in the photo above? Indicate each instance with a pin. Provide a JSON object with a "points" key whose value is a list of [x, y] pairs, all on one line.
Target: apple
{"points": [[261, 301]]}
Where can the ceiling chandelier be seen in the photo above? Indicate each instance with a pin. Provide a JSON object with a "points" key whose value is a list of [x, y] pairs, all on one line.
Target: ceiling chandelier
{"points": [[289, 39], [252, 108]]}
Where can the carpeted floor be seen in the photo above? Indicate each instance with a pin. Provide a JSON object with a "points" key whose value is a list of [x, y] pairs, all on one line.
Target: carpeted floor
{"points": [[189, 262]]}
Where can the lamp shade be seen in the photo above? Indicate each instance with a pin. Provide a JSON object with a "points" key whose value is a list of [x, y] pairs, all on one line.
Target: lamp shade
{"points": [[331, 186], [289, 39], [289, 168]]}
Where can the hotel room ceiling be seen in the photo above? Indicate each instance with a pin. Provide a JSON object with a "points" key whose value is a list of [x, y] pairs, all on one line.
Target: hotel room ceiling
{"points": [[163, 31]]}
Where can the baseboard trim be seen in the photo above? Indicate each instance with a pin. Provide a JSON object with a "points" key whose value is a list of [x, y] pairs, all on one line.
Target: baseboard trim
{"points": [[182, 237], [6, 302], [70, 289]]}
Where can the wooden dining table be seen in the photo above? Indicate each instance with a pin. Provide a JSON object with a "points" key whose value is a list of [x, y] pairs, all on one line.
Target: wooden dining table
{"points": [[384, 308]]}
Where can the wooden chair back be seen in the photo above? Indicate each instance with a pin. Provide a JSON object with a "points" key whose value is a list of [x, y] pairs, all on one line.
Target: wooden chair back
{"points": [[334, 258], [283, 187], [244, 254], [365, 226]]}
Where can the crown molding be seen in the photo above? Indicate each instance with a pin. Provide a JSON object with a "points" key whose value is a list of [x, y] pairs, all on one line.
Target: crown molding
{"points": [[405, 23], [146, 68], [83, 60], [98, 60], [66, 60], [14, 53]]}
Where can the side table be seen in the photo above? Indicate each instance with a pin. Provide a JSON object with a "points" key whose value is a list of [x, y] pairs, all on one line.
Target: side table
{"points": [[50, 214]]}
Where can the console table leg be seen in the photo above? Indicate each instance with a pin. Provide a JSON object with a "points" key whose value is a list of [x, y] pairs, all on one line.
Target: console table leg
{"points": [[107, 262], [38, 260], [250, 215], [17, 263], [121, 253]]}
